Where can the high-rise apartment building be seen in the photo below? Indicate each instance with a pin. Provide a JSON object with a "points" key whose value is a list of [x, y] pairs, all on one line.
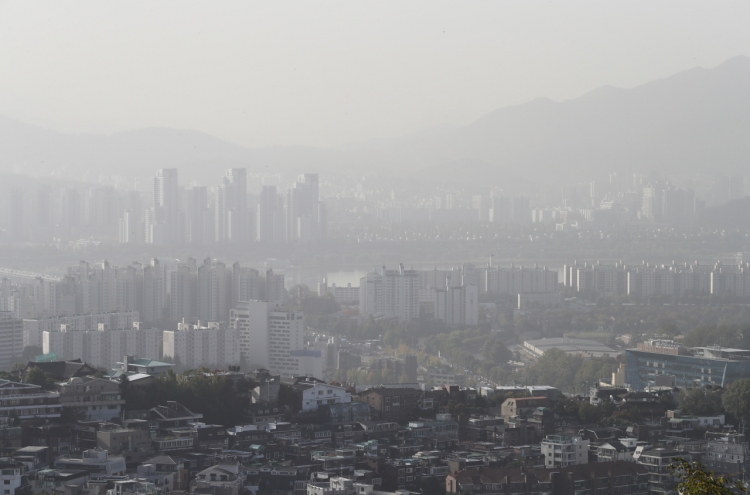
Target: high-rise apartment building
{"points": [[214, 291], [213, 344], [11, 339], [103, 349], [233, 219], [270, 217], [390, 293], [184, 291], [272, 337], [164, 222], [303, 210]]}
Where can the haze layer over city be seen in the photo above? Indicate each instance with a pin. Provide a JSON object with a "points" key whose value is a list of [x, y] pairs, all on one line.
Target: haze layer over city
{"points": [[330, 248]]}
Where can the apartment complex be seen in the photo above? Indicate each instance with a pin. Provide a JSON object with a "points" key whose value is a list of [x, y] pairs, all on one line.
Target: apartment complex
{"points": [[103, 349], [196, 345]]}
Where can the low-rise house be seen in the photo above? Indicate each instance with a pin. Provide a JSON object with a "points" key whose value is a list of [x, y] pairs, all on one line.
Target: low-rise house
{"points": [[58, 480], [174, 415], [522, 407], [564, 450], [132, 443], [33, 458], [622, 478], [95, 461], [223, 479], [658, 461], [617, 450], [311, 393], [727, 453], [27, 401], [92, 398], [276, 479], [394, 404], [13, 477], [131, 364]]}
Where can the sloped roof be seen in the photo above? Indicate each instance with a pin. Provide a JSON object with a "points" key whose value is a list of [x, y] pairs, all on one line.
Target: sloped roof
{"points": [[62, 370]]}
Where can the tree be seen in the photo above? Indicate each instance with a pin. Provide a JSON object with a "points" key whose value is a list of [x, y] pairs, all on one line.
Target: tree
{"points": [[36, 376], [736, 399], [495, 352], [696, 480], [701, 402]]}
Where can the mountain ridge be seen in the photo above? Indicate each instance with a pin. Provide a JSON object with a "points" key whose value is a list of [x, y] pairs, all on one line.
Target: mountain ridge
{"points": [[690, 122]]}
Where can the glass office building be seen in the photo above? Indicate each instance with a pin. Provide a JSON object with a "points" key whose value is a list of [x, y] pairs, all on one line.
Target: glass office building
{"points": [[690, 367]]}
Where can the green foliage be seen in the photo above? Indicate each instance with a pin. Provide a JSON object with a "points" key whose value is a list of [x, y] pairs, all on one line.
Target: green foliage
{"points": [[724, 335], [301, 297], [736, 400], [36, 376], [214, 396], [495, 351], [568, 372], [696, 480], [701, 402]]}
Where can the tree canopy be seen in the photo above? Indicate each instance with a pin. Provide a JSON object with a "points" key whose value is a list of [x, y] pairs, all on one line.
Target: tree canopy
{"points": [[736, 399]]}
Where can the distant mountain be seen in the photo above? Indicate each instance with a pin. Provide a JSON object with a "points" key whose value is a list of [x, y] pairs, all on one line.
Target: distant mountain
{"points": [[138, 153], [695, 121]]}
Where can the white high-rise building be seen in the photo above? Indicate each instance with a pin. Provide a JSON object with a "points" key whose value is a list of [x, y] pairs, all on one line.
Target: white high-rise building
{"points": [[164, 218], [104, 348], [390, 293], [273, 338], [457, 306], [184, 291], [214, 291], [194, 346], [33, 329], [11, 339]]}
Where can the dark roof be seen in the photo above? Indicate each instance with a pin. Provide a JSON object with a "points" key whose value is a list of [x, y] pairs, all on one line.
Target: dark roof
{"points": [[483, 475], [532, 400], [62, 370], [391, 392], [162, 460]]}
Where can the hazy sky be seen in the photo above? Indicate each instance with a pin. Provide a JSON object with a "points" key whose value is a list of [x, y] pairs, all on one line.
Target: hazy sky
{"points": [[330, 73]]}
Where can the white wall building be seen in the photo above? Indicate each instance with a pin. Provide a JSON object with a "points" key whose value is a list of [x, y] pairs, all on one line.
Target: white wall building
{"points": [[33, 329], [103, 349], [390, 293], [273, 338], [323, 393], [564, 450], [457, 306], [194, 346]]}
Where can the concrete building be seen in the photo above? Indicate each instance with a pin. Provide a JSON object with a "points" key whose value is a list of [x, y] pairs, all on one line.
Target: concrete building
{"points": [[394, 404], [27, 401], [95, 398], [11, 339], [577, 347], [103, 349], [693, 367], [13, 477], [272, 337], [564, 450], [95, 461], [390, 294], [313, 393], [457, 306], [194, 345], [33, 329]]}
